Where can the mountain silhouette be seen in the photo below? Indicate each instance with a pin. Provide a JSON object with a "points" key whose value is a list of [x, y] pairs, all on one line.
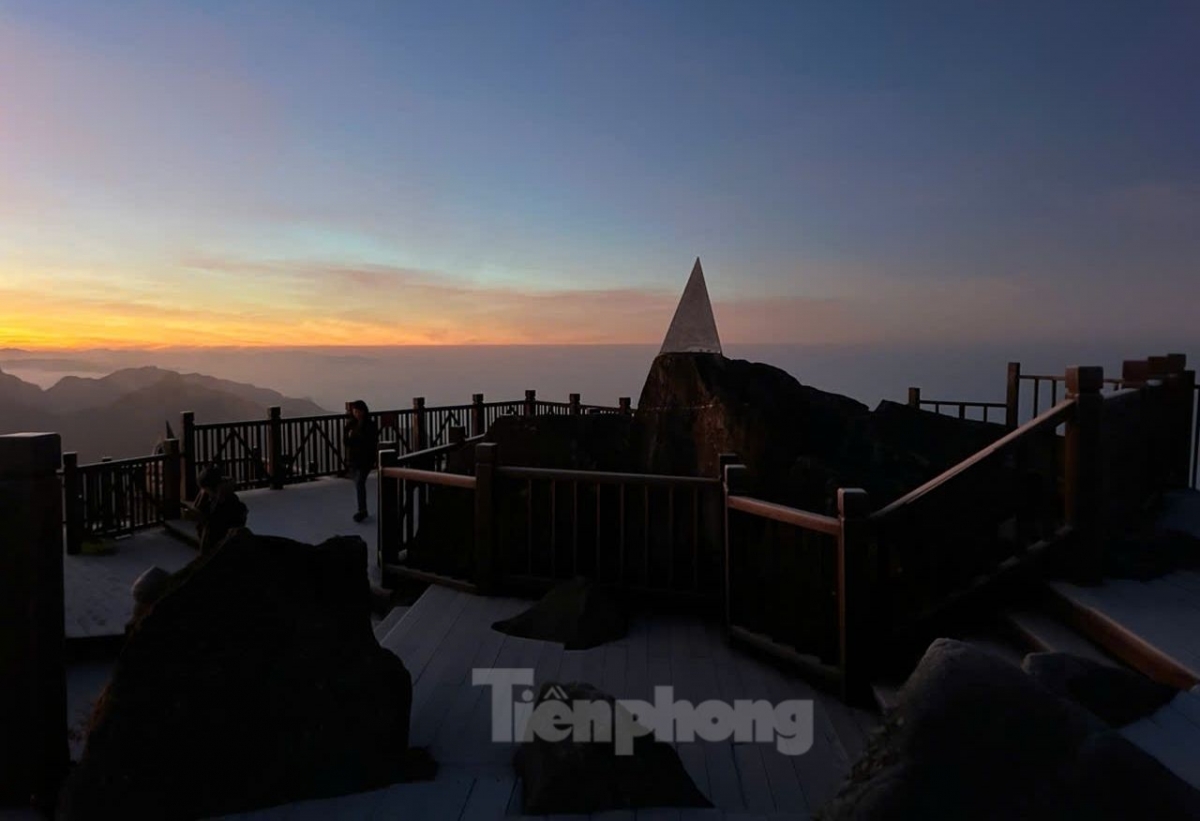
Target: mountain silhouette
{"points": [[124, 414]]}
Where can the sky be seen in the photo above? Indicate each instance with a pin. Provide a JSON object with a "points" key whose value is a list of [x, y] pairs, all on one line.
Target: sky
{"points": [[378, 173]]}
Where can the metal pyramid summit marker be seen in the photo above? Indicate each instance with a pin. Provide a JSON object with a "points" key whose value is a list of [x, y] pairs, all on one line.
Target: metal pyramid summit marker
{"points": [[693, 329]]}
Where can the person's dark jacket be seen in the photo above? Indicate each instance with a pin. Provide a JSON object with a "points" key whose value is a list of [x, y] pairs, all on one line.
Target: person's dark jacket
{"points": [[362, 442], [219, 511]]}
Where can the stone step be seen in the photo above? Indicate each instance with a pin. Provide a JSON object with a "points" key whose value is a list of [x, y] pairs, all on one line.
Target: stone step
{"points": [[1042, 633], [389, 621]]}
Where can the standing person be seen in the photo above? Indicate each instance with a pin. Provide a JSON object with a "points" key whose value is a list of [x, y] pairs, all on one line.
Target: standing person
{"points": [[362, 441]]}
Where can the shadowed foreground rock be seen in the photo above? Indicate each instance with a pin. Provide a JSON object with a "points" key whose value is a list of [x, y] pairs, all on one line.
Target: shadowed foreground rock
{"points": [[575, 614], [573, 777], [974, 737], [1115, 695], [254, 680]]}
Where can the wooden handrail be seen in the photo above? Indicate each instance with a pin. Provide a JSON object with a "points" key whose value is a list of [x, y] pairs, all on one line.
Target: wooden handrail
{"points": [[788, 515], [437, 450], [958, 403], [430, 477], [604, 477], [1108, 380], [1051, 418], [113, 464]]}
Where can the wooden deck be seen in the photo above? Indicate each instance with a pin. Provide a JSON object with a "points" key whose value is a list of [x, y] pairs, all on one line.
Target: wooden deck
{"points": [[98, 599], [448, 633]]}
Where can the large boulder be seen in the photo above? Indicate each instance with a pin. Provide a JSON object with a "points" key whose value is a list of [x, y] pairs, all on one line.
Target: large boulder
{"points": [[254, 680], [576, 614], [585, 776], [1116, 695], [974, 737], [693, 407]]}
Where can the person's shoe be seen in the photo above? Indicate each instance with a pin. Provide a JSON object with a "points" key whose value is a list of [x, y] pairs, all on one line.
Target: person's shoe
{"points": [[358, 517]]}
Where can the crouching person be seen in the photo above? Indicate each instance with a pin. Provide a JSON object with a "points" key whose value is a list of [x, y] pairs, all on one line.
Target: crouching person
{"points": [[218, 510]]}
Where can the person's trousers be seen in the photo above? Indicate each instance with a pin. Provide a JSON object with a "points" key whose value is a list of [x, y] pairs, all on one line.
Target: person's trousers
{"points": [[360, 487]]}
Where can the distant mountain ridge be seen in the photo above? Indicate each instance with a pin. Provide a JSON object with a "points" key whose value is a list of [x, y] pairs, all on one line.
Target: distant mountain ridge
{"points": [[125, 413]]}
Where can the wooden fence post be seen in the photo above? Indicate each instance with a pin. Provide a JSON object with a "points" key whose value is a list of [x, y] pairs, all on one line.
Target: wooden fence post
{"points": [[530, 407], [477, 415], [1084, 469], [34, 756], [275, 468], [1135, 372], [72, 487], [387, 533], [456, 435], [190, 476], [854, 590], [914, 397], [736, 483], [573, 401], [1012, 397], [487, 457], [418, 435], [1182, 383], [625, 405], [172, 480]]}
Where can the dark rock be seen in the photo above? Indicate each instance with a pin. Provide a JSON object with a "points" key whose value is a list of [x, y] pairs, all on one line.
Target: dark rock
{"points": [[147, 589], [575, 614], [1116, 695], [971, 737], [571, 776], [255, 680], [693, 407], [1115, 779]]}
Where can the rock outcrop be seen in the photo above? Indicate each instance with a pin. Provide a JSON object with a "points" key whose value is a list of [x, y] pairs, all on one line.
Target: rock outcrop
{"points": [[575, 776], [254, 680], [974, 737], [576, 614], [693, 407]]}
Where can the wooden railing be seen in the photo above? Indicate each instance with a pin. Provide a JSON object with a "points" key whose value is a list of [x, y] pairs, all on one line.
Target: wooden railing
{"points": [[793, 578], [117, 497], [528, 528], [1027, 395], [277, 451]]}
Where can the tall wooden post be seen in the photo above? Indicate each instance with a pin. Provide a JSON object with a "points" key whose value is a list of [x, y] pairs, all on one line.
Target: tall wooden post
{"points": [[1135, 372], [625, 405], [477, 416], [573, 402], [72, 486], [456, 435], [737, 483], [190, 475], [172, 480], [1084, 473], [33, 695], [418, 435], [387, 533], [1182, 384], [530, 407], [1012, 397], [487, 457], [914, 397], [275, 468], [854, 590]]}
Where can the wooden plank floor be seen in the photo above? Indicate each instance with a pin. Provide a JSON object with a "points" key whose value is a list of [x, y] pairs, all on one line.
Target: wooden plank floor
{"points": [[448, 633]]}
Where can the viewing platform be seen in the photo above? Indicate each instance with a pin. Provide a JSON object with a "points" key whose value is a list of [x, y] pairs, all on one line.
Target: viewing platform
{"points": [[731, 594]]}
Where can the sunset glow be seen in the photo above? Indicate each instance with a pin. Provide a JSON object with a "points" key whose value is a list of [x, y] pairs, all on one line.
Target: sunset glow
{"points": [[246, 174]]}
